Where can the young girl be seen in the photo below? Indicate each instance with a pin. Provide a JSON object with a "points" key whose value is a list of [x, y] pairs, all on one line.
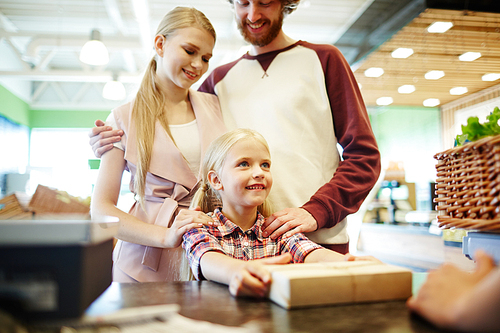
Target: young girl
{"points": [[167, 128], [237, 172]]}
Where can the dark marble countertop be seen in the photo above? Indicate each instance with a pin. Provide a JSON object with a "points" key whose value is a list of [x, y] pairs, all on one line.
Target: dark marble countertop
{"points": [[212, 302]]}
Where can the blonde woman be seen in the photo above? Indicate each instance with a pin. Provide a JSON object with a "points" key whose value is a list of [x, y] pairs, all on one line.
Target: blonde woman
{"points": [[167, 128]]}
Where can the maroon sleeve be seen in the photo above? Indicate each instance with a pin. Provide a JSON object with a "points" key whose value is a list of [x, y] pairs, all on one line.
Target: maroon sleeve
{"points": [[217, 75], [360, 168]]}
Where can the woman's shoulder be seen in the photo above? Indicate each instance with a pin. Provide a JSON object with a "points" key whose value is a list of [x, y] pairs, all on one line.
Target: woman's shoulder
{"points": [[124, 109], [122, 115], [203, 98]]}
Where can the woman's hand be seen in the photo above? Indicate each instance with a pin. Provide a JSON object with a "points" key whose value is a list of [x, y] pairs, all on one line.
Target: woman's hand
{"points": [[185, 220]]}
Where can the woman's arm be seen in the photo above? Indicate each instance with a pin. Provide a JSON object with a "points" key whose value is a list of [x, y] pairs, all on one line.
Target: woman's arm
{"points": [[105, 198], [131, 229], [244, 278]]}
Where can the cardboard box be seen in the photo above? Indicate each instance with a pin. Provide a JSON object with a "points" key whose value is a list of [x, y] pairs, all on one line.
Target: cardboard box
{"points": [[303, 285]]}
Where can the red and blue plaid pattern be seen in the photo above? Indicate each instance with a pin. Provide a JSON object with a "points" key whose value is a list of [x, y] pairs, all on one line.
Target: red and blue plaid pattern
{"points": [[230, 239]]}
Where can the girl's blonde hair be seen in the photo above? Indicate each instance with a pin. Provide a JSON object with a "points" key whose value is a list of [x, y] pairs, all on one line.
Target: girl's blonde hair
{"points": [[149, 104], [206, 197]]}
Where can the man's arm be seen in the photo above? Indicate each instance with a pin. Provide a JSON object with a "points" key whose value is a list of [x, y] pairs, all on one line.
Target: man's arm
{"points": [[103, 137], [360, 168]]}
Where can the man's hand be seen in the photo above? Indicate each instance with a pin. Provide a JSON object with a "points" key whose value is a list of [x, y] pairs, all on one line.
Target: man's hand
{"points": [[289, 221], [252, 279], [102, 138]]}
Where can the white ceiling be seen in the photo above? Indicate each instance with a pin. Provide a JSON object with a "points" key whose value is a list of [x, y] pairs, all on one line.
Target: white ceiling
{"points": [[40, 42]]}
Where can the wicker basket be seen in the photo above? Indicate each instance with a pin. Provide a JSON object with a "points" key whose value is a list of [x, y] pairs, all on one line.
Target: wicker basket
{"points": [[468, 186]]}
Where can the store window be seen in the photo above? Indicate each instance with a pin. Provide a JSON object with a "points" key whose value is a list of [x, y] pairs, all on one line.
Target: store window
{"points": [[14, 145], [59, 158]]}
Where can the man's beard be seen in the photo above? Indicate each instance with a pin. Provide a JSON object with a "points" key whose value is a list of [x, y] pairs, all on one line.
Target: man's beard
{"points": [[265, 39]]}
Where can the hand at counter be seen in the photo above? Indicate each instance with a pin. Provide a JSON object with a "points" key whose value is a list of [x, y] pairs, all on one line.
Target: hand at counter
{"points": [[455, 299], [289, 221]]}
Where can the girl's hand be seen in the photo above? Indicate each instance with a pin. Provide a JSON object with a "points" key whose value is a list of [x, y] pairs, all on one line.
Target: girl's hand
{"points": [[185, 220], [252, 279], [350, 257]]}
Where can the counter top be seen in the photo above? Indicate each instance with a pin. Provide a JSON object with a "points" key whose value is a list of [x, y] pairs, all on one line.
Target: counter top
{"points": [[212, 302]]}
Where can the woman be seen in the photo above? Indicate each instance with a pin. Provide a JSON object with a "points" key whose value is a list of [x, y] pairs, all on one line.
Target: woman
{"points": [[166, 130]]}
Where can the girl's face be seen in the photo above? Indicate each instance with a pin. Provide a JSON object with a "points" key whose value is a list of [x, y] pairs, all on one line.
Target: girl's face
{"points": [[183, 56], [245, 179]]}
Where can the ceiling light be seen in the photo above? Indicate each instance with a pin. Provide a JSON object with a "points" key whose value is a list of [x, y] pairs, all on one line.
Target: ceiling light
{"points": [[114, 90], [94, 52], [384, 101], [434, 75], [469, 56], [402, 53], [458, 90], [439, 27], [491, 77], [374, 72], [430, 102], [406, 89]]}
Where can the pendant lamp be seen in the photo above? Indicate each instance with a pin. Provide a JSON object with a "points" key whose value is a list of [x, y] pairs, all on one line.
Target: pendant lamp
{"points": [[114, 90], [94, 52]]}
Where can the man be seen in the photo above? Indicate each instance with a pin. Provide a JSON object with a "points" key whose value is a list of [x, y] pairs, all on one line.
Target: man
{"points": [[304, 99]]}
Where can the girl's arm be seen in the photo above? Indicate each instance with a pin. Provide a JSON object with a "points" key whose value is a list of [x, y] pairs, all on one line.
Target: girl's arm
{"points": [[244, 278], [322, 255], [131, 229]]}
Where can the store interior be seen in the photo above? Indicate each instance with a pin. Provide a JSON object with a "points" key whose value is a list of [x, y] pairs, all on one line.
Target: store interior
{"points": [[50, 99]]}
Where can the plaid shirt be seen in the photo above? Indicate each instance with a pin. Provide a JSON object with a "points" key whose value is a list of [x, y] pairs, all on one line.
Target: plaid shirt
{"points": [[231, 240]]}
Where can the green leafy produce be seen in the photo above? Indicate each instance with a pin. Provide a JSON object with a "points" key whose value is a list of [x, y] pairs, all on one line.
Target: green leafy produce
{"points": [[474, 130]]}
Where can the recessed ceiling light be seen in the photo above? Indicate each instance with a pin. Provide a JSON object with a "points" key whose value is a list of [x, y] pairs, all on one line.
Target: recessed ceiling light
{"points": [[406, 89], [430, 102], [469, 56], [434, 75], [402, 53], [458, 90], [491, 77], [374, 72], [384, 101], [439, 27]]}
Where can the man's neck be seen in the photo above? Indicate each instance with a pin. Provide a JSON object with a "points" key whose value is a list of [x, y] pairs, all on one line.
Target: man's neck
{"points": [[280, 42]]}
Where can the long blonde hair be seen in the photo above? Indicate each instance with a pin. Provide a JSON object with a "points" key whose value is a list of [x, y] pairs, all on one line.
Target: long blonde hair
{"points": [[149, 104], [206, 197]]}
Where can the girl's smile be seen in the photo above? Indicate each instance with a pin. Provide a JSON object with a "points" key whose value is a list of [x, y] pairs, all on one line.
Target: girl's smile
{"points": [[245, 179]]}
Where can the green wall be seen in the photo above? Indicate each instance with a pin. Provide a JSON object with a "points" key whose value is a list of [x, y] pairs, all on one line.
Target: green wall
{"points": [[65, 119], [408, 134], [18, 111], [13, 107], [406, 127]]}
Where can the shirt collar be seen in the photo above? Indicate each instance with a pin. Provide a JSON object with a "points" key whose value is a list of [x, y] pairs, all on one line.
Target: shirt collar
{"points": [[227, 227]]}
